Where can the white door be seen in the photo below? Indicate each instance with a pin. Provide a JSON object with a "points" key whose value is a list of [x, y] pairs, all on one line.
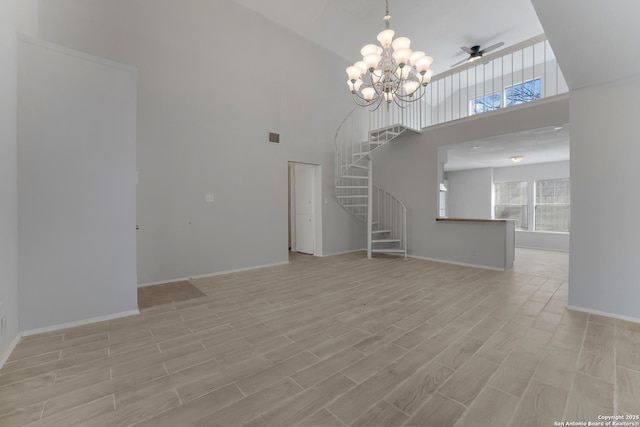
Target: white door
{"points": [[305, 221]]}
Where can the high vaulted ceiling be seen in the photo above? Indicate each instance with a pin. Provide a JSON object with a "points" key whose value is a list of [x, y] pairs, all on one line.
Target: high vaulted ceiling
{"points": [[595, 41], [592, 39], [438, 27]]}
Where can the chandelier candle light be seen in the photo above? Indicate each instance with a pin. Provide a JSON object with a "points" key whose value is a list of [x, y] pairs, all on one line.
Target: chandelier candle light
{"points": [[392, 71]]}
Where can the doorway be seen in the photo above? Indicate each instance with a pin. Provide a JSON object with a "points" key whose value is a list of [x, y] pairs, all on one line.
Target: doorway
{"points": [[305, 208]]}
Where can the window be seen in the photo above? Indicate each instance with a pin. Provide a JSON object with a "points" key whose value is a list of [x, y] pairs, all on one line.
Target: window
{"points": [[513, 95], [552, 205], [523, 92], [511, 202], [484, 103]]}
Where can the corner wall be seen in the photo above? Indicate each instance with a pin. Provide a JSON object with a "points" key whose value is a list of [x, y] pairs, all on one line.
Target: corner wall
{"points": [[76, 186], [214, 79], [605, 235], [408, 168], [8, 175], [16, 15]]}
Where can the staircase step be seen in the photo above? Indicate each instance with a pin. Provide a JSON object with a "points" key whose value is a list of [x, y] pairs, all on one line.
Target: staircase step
{"points": [[382, 251], [360, 154], [350, 186], [355, 206], [357, 196], [354, 177], [386, 241], [381, 231], [360, 167], [386, 134]]}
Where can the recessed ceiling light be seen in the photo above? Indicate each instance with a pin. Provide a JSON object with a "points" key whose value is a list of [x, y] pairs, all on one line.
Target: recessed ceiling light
{"points": [[558, 127], [475, 147], [516, 159]]}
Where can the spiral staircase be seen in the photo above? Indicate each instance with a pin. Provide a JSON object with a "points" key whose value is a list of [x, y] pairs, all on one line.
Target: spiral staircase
{"points": [[358, 136], [449, 97]]}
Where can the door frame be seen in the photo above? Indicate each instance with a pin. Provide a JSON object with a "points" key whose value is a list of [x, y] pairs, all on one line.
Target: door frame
{"points": [[317, 206]]}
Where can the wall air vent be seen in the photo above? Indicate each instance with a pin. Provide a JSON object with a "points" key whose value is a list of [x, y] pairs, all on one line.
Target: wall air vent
{"points": [[274, 137]]}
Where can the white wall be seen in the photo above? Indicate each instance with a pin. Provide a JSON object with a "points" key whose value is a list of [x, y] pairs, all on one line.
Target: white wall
{"points": [[8, 173], [605, 231], [408, 168], [214, 79], [531, 173], [76, 186], [15, 15], [469, 193]]}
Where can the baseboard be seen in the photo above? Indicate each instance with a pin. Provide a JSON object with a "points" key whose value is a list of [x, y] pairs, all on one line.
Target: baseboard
{"points": [[9, 350], [79, 323], [164, 282], [603, 313], [343, 253], [238, 270], [544, 249], [219, 273], [463, 264]]}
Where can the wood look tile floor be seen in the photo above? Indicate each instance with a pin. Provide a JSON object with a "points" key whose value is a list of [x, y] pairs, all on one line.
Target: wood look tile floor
{"points": [[149, 296], [338, 341]]}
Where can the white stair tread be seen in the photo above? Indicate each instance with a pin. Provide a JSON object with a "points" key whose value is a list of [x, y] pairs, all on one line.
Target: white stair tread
{"points": [[354, 177], [351, 186], [381, 231], [395, 251], [357, 196], [360, 167], [391, 131], [355, 206], [360, 154], [385, 241]]}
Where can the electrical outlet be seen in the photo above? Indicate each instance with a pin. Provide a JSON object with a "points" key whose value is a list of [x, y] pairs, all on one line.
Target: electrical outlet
{"points": [[208, 198]]}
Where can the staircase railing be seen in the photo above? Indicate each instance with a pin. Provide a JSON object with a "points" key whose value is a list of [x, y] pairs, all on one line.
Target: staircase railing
{"points": [[362, 131], [350, 135], [389, 218]]}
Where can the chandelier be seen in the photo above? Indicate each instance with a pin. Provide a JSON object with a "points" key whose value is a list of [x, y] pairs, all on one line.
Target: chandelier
{"points": [[391, 72]]}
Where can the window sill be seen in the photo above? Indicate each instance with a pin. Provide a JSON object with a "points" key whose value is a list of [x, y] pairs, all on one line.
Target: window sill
{"points": [[442, 219], [544, 232]]}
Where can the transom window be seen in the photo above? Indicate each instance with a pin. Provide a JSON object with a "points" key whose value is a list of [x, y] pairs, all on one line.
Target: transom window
{"points": [[523, 92], [512, 95], [511, 202], [485, 103]]}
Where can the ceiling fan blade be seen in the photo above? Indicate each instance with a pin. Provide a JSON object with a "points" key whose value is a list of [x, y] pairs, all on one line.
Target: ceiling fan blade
{"points": [[461, 62], [490, 48], [467, 50]]}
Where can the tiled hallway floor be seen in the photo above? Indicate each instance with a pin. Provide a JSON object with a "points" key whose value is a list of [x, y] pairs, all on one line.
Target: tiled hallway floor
{"points": [[149, 296]]}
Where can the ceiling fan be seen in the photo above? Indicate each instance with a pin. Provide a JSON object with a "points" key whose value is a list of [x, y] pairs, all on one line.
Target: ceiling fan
{"points": [[476, 53]]}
